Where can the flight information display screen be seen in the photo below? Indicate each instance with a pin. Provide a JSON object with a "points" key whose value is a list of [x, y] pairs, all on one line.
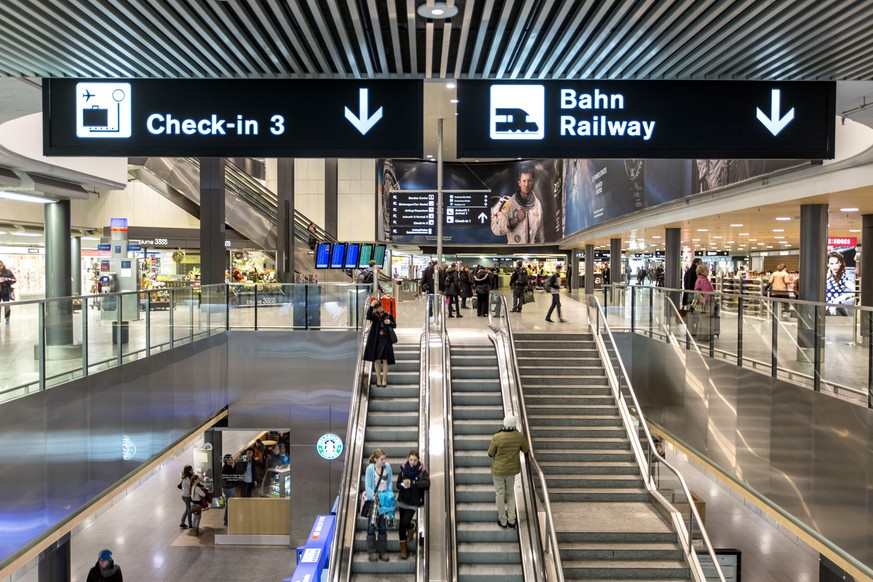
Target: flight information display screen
{"points": [[365, 256], [337, 255], [352, 252], [322, 256]]}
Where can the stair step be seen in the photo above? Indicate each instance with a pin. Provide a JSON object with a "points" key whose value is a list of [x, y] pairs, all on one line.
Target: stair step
{"points": [[583, 455], [461, 385], [481, 413], [403, 378], [487, 372], [466, 442], [484, 532], [476, 512], [575, 483], [554, 470], [558, 444], [582, 420], [569, 399], [361, 564], [575, 432], [558, 391], [393, 419], [391, 434], [490, 553], [490, 572], [493, 398], [403, 391], [578, 495], [474, 493], [614, 569], [394, 450], [474, 476], [393, 405], [564, 381], [475, 427], [621, 551], [616, 537], [565, 369], [571, 409], [473, 458]]}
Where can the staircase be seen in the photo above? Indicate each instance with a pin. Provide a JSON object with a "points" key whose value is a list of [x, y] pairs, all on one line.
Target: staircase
{"points": [[392, 425], [485, 550], [607, 528]]}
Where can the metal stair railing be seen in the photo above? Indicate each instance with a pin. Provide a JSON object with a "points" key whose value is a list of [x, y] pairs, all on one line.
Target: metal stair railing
{"points": [[342, 548], [618, 378], [545, 543]]}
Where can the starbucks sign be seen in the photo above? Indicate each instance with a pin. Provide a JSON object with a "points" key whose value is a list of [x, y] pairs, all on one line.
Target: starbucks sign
{"points": [[329, 446]]}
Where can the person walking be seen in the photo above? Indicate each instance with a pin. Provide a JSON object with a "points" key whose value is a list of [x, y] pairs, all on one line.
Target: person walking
{"points": [[778, 289], [482, 280], [412, 482], [379, 348], [185, 486], [466, 279], [688, 281], [7, 294], [247, 472], [453, 289], [552, 285], [519, 280], [198, 493], [504, 448], [105, 570], [378, 478]]}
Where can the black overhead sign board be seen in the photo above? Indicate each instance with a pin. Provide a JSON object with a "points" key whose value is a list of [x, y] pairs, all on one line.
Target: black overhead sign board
{"points": [[232, 117], [647, 119]]}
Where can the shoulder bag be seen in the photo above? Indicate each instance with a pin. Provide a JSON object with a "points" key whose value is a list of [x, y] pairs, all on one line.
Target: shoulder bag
{"points": [[392, 335]]}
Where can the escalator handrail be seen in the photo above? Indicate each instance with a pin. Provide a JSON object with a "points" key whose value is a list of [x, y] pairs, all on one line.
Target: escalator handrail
{"points": [[448, 417], [646, 464], [350, 481], [533, 465], [422, 565]]}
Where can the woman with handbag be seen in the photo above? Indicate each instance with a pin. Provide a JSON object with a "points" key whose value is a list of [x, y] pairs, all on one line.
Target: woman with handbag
{"points": [[412, 482], [198, 493], [377, 484], [380, 341]]}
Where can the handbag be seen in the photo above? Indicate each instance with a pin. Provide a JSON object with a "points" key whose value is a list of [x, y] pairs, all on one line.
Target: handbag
{"points": [[386, 502], [528, 297], [392, 335], [366, 507], [179, 486]]}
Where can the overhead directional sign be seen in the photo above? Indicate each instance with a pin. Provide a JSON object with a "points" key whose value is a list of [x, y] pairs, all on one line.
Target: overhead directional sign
{"points": [[233, 117], [647, 119]]}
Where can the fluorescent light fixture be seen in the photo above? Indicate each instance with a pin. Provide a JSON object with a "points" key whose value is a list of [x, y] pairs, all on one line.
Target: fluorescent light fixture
{"points": [[730, 242], [769, 246], [90, 238], [718, 237], [702, 230], [744, 234], [450, 85], [695, 240], [439, 11], [736, 225], [753, 240], [25, 198], [25, 233], [778, 230], [848, 210], [778, 237], [783, 218], [453, 100], [655, 236], [855, 230]]}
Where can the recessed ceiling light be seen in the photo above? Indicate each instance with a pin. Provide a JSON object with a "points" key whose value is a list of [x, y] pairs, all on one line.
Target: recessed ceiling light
{"points": [[736, 225], [695, 240], [717, 237], [453, 100], [450, 85], [730, 242], [769, 246], [783, 218], [702, 230], [778, 230], [439, 11], [430, 155], [848, 210], [778, 237], [744, 234], [855, 230], [753, 240], [655, 236]]}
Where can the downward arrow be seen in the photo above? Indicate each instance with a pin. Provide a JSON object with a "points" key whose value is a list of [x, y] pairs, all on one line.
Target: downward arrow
{"points": [[362, 122], [773, 123]]}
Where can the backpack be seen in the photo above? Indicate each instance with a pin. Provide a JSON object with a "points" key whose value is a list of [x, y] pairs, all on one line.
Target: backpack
{"points": [[551, 283], [365, 277]]}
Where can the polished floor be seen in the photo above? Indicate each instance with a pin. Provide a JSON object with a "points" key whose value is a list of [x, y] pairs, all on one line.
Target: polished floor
{"points": [[142, 526]]}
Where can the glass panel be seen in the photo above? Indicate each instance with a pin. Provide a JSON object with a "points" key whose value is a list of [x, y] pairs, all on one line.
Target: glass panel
{"points": [[17, 339], [213, 309], [242, 301], [183, 310], [844, 365], [757, 333]]}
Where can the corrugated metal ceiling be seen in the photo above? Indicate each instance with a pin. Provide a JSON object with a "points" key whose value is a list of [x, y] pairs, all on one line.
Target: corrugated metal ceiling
{"points": [[537, 39]]}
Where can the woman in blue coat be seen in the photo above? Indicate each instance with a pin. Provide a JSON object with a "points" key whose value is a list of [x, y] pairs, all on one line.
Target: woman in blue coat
{"points": [[379, 348]]}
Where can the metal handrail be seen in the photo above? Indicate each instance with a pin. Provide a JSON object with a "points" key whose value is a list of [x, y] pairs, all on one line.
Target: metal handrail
{"points": [[652, 452], [350, 481], [448, 418], [551, 533], [422, 566]]}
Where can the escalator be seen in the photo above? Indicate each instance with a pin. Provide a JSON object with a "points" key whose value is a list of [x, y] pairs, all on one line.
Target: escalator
{"points": [[251, 209]]}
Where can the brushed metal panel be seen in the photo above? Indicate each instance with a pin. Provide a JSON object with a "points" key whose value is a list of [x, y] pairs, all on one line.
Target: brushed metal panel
{"points": [[104, 430], [22, 476], [754, 404], [695, 421], [868, 549], [839, 482], [67, 452], [791, 450], [721, 389]]}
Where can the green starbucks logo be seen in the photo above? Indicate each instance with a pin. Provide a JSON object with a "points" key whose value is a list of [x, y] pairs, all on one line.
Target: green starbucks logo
{"points": [[329, 446]]}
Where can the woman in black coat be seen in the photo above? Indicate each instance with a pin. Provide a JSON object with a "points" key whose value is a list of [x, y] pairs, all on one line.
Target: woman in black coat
{"points": [[466, 278], [380, 348], [482, 280], [412, 482]]}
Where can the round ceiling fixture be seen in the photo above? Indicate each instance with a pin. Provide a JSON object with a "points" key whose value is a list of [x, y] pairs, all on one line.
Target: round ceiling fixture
{"points": [[439, 11]]}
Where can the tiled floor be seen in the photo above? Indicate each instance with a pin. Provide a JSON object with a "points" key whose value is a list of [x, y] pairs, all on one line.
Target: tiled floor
{"points": [[142, 527]]}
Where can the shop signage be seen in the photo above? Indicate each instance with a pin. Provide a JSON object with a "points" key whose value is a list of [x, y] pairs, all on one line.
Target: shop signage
{"points": [[329, 446], [647, 119], [842, 241], [233, 117], [711, 254], [33, 250]]}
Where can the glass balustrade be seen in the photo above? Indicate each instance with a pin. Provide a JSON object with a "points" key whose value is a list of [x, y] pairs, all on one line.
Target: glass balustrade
{"points": [[50, 342], [819, 346]]}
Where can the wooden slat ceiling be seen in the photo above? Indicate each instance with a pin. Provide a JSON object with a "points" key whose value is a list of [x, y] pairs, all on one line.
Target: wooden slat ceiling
{"points": [[497, 39]]}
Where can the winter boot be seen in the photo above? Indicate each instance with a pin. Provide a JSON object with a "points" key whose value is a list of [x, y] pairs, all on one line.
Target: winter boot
{"points": [[404, 551], [383, 548], [371, 547], [410, 535]]}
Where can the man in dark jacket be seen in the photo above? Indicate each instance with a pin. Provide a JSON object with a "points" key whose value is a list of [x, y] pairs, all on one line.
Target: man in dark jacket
{"points": [[504, 449], [105, 570], [426, 282], [689, 280], [7, 280], [519, 282]]}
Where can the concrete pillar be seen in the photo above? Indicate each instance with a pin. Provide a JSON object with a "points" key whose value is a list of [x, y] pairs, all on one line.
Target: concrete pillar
{"points": [[331, 197], [76, 264], [616, 277], [673, 259], [285, 243], [574, 269], [813, 269], [589, 269], [54, 563], [213, 261], [58, 280], [867, 260]]}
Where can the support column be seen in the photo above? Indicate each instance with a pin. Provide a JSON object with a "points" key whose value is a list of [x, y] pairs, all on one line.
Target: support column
{"points": [[76, 264], [54, 564], [439, 206], [58, 283], [867, 297], [616, 277], [212, 199], [574, 269], [331, 197], [813, 269], [673, 259], [285, 242], [589, 269]]}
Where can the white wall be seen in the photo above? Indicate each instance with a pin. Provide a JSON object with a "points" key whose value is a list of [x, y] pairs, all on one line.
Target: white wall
{"points": [[141, 205], [309, 189], [356, 207]]}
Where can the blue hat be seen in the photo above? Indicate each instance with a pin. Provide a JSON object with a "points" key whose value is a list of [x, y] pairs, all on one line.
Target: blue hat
{"points": [[105, 555]]}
